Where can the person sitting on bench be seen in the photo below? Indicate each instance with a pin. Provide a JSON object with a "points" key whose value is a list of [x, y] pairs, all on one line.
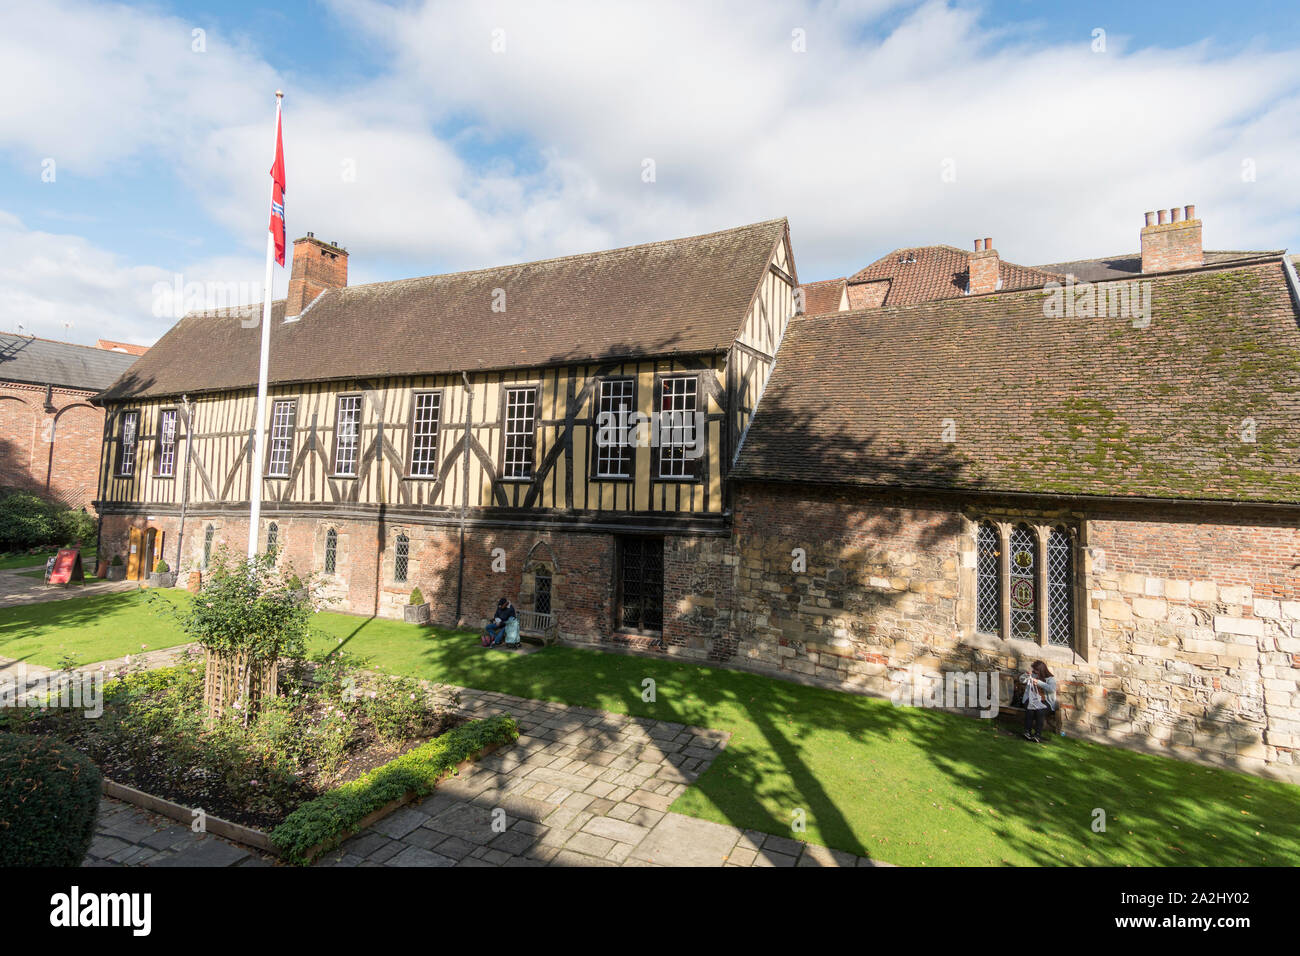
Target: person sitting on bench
{"points": [[1040, 699], [497, 629]]}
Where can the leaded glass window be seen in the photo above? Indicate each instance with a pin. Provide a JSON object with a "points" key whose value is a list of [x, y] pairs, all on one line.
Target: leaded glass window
{"points": [[1022, 586], [1060, 616], [642, 583], [542, 592], [346, 435], [401, 557], [272, 537], [521, 410], [331, 550], [167, 443], [424, 434], [282, 415], [988, 572], [613, 452], [209, 534]]}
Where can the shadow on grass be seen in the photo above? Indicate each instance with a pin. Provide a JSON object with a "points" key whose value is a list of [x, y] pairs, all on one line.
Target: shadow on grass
{"points": [[899, 784]]}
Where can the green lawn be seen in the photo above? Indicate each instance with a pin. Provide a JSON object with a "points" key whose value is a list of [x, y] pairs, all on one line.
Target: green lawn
{"points": [[89, 629], [39, 575], [902, 785]]}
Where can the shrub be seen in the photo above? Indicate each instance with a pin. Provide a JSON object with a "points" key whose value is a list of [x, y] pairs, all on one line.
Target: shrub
{"points": [[416, 596], [331, 816], [28, 521], [399, 709], [117, 561], [49, 795], [161, 567]]}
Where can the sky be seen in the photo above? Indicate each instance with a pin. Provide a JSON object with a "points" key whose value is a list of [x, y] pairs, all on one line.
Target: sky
{"points": [[428, 137]]}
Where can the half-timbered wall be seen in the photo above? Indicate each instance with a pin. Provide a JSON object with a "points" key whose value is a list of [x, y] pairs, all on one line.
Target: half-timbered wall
{"points": [[565, 431]]}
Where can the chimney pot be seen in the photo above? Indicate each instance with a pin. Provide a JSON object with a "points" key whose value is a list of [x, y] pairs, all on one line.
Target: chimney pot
{"points": [[988, 245], [1169, 250], [1151, 219], [978, 244]]}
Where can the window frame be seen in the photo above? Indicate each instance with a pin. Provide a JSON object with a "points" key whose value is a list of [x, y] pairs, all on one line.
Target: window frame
{"points": [[174, 412], [273, 537], [119, 457], [432, 475], [338, 413], [620, 605], [1073, 587], [330, 562], [594, 469], [402, 557], [694, 465], [506, 389], [289, 440]]}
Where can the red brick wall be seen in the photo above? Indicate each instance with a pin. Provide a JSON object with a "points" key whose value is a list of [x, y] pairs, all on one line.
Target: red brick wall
{"points": [[54, 454]]}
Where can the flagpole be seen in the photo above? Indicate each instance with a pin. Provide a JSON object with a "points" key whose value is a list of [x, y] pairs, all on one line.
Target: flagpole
{"points": [[255, 488]]}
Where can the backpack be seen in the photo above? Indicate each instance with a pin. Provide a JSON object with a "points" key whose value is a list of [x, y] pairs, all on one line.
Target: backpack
{"points": [[485, 640]]}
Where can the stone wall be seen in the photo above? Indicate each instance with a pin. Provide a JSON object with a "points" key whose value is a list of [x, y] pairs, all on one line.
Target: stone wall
{"points": [[1188, 638]]}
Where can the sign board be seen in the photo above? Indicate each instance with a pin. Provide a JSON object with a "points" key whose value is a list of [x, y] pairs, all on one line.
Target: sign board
{"points": [[67, 567]]}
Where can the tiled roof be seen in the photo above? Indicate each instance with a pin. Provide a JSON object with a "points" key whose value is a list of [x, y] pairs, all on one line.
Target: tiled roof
{"points": [[927, 273], [683, 296], [39, 361], [824, 296], [1046, 405], [1128, 265]]}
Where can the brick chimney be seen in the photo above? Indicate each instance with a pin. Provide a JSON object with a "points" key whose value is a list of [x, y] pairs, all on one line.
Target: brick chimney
{"points": [[983, 268], [317, 266], [1172, 240]]}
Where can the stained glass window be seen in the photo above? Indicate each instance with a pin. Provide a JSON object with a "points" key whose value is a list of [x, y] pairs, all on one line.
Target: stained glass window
{"points": [[208, 535], [1022, 586], [272, 537]]}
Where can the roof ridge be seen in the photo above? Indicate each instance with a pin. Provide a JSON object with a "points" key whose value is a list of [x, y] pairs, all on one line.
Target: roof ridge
{"points": [[75, 345], [567, 258]]}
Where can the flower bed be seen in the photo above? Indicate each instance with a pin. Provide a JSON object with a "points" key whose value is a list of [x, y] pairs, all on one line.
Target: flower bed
{"points": [[331, 724]]}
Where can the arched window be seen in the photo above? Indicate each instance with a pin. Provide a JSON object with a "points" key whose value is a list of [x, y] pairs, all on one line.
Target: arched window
{"points": [[1022, 586], [331, 550], [209, 534], [272, 537], [401, 558], [988, 574], [542, 590], [1060, 590]]}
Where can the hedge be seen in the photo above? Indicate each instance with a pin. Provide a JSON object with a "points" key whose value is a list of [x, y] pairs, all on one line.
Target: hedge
{"points": [[333, 815], [49, 795]]}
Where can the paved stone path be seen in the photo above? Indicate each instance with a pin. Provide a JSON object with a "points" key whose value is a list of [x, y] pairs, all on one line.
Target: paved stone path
{"points": [[125, 835], [18, 670], [580, 788], [16, 589]]}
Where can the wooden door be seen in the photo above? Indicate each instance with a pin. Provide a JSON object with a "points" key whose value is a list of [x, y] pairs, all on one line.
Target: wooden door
{"points": [[133, 554]]}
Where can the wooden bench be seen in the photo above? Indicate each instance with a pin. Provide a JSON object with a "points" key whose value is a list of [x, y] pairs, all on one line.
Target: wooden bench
{"points": [[538, 628]]}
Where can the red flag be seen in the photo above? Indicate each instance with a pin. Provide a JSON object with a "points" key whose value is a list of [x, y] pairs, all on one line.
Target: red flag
{"points": [[277, 192]]}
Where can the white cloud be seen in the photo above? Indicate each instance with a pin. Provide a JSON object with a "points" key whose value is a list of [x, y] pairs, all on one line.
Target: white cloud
{"points": [[465, 157]]}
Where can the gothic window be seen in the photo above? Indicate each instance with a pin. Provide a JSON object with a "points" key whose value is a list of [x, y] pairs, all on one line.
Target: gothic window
{"points": [[272, 537], [988, 572], [1034, 584], [331, 550], [401, 557], [1060, 579], [208, 535], [1022, 583]]}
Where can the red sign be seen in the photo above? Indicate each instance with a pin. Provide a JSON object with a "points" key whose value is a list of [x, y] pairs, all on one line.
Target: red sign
{"points": [[67, 567]]}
